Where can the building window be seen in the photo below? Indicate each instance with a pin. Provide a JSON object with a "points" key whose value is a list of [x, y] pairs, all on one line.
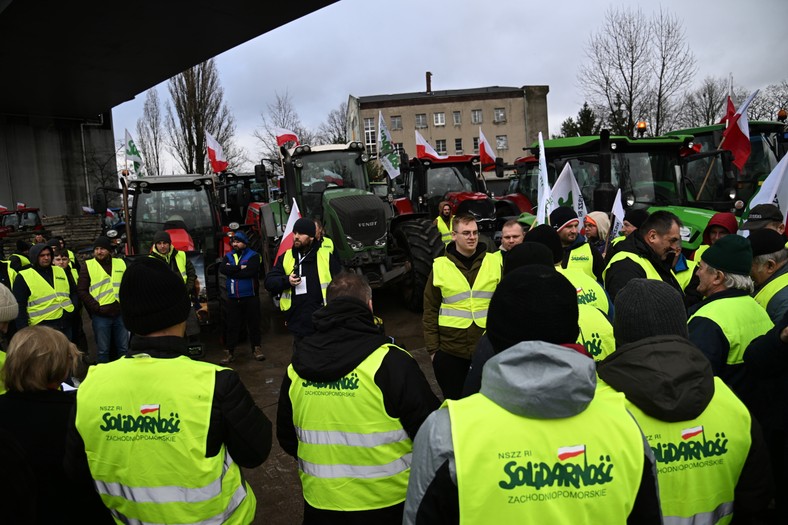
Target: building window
{"points": [[440, 146], [501, 142], [370, 136], [476, 116], [439, 118], [500, 115], [397, 147], [475, 145], [421, 120], [457, 116], [458, 146], [396, 122]]}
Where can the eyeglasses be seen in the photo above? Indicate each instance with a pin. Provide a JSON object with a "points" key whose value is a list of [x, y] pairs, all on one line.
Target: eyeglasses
{"points": [[467, 234]]}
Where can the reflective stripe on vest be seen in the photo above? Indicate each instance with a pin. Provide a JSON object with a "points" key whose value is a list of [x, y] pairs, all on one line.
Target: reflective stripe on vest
{"points": [[685, 276], [766, 293], [323, 273], [741, 320], [103, 288], [462, 305], [699, 461], [47, 303], [351, 454], [444, 230], [144, 422], [514, 469], [596, 332], [589, 291], [582, 259]]}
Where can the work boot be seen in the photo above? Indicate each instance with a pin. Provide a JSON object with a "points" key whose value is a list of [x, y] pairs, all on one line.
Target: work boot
{"points": [[229, 357], [258, 353]]}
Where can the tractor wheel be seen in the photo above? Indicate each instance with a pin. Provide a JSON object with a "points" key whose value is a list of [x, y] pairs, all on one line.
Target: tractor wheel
{"points": [[422, 244]]}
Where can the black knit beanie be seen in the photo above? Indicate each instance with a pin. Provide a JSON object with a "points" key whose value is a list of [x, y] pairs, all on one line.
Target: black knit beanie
{"points": [[152, 297], [532, 303], [766, 241], [103, 242], [305, 227], [636, 217], [162, 236], [647, 307], [544, 234], [562, 216], [731, 254], [527, 253]]}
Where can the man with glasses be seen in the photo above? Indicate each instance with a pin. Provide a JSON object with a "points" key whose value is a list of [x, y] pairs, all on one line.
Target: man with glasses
{"points": [[456, 297]]}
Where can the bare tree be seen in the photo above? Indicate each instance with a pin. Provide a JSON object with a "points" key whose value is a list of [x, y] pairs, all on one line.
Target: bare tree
{"points": [[769, 101], [705, 105], [637, 69], [198, 106], [334, 129], [281, 114], [150, 131]]}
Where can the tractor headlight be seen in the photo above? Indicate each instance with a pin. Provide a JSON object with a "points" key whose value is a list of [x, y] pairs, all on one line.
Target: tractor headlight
{"points": [[355, 245], [380, 243]]}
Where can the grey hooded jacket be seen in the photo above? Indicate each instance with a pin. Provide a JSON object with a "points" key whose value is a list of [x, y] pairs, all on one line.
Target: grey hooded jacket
{"points": [[533, 379]]}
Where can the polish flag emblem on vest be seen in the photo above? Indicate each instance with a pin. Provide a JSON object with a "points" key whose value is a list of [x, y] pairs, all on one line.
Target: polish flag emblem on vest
{"points": [[571, 452], [691, 432], [147, 409]]}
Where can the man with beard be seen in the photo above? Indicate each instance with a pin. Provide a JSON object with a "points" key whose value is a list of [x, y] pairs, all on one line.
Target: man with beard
{"points": [[353, 450], [44, 292], [301, 276], [98, 287], [578, 254], [242, 268], [646, 253], [456, 296], [444, 221]]}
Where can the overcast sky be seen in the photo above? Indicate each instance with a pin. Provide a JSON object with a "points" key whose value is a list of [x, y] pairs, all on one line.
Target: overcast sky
{"points": [[373, 47]]}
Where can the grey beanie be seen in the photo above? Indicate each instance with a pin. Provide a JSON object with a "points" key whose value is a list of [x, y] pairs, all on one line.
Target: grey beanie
{"points": [[647, 307], [9, 309]]}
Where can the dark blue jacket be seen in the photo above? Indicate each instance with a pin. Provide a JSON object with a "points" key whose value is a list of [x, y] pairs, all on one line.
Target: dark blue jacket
{"points": [[241, 282]]}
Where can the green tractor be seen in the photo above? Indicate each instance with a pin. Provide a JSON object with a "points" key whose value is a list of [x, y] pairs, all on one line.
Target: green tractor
{"points": [[331, 183], [660, 173]]}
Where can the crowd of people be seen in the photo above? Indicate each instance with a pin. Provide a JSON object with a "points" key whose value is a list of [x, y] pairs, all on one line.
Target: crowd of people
{"points": [[583, 379]]}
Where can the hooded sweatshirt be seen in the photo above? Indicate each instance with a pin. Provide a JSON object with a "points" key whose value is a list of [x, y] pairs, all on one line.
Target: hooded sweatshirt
{"points": [[532, 379], [670, 379], [22, 291]]}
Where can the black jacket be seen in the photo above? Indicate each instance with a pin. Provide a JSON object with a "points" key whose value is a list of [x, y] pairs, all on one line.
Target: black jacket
{"points": [[670, 379], [621, 272], [236, 421], [38, 422], [299, 316], [345, 335]]}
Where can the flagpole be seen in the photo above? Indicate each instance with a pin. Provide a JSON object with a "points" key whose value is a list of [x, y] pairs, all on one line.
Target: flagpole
{"points": [[708, 172]]}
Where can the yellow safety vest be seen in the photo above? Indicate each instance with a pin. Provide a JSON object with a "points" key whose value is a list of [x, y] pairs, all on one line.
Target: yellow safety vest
{"points": [[461, 304], [766, 293], [651, 272], [578, 470], [702, 248], [47, 303], [11, 274], [24, 261], [144, 422], [327, 244], [495, 256], [589, 291], [323, 273], [71, 257], [351, 454], [596, 332], [741, 320], [2, 382], [103, 288], [444, 230], [180, 260], [684, 277], [582, 259], [699, 461]]}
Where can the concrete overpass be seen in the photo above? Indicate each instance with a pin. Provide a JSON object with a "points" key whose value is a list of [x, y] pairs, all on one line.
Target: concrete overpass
{"points": [[67, 64]]}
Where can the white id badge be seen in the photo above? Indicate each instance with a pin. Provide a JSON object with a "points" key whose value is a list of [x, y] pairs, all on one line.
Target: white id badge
{"points": [[300, 288]]}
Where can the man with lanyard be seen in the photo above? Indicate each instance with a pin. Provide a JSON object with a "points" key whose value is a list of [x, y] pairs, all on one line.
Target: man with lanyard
{"points": [[578, 254], [44, 293], [353, 452], [456, 296], [301, 275], [242, 268], [444, 221], [163, 437], [98, 286], [646, 253]]}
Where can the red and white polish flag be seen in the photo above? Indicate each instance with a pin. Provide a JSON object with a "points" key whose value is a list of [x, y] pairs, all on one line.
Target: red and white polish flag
{"points": [[425, 151], [486, 153], [287, 237], [283, 136], [571, 452], [691, 432], [147, 409], [736, 137], [215, 154]]}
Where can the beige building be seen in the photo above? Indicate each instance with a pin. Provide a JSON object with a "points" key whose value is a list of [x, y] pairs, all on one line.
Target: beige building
{"points": [[509, 117]]}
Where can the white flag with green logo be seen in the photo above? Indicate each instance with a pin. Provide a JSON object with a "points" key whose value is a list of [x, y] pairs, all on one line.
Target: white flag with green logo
{"points": [[133, 154], [387, 153]]}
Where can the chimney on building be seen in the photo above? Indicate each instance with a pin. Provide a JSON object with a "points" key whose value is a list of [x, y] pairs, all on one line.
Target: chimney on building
{"points": [[429, 83]]}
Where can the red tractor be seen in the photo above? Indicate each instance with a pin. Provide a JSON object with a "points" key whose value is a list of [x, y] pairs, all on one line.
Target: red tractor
{"points": [[19, 219]]}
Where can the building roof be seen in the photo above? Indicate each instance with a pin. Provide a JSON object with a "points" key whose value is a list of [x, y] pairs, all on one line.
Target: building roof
{"points": [[423, 97]]}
